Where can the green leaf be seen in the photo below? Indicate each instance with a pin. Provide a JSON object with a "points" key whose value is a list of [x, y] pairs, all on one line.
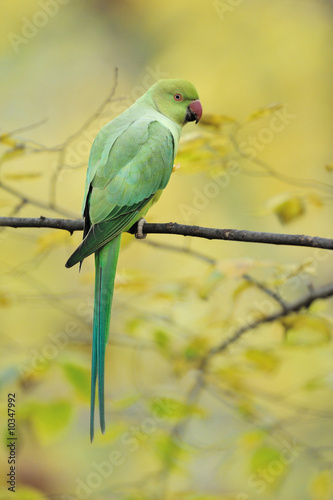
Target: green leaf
{"points": [[195, 348], [134, 324], [263, 458], [315, 384], [79, 377], [25, 493], [173, 409], [48, 419], [169, 451], [125, 402], [161, 338]]}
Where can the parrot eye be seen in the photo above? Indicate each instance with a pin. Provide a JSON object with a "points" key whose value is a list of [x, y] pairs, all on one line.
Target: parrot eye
{"points": [[178, 97]]}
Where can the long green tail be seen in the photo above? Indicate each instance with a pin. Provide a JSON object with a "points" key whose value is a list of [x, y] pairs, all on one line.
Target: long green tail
{"points": [[105, 267]]}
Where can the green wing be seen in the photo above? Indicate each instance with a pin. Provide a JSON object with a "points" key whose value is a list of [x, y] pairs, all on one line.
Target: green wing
{"points": [[136, 165]]}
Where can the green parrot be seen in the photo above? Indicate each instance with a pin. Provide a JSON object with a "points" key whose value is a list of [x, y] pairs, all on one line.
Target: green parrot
{"points": [[130, 163]]}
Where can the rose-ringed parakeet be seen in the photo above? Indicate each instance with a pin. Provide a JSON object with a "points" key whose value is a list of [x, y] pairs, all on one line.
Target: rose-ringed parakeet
{"points": [[130, 163]]}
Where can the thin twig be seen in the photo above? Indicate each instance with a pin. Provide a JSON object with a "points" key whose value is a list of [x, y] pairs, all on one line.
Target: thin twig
{"points": [[186, 251], [266, 290], [32, 201], [75, 135], [303, 303], [178, 431]]}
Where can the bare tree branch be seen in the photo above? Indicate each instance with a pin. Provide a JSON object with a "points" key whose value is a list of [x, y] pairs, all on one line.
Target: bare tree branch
{"points": [[303, 303], [182, 229], [40, 222], [178, 431], [75, 135]]}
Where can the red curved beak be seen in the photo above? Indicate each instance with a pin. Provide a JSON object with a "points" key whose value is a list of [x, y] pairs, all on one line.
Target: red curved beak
{"points": [[194, 111]]}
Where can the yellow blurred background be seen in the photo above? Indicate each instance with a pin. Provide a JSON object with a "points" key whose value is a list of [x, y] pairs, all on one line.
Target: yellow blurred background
{"points": [[264, 73]]}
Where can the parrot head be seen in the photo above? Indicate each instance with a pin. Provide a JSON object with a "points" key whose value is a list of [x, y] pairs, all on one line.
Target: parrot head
{"points": [[177, 99]]}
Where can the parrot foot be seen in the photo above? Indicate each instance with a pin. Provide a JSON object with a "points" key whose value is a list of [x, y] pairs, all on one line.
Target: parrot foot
{"points": [[140, 235]]}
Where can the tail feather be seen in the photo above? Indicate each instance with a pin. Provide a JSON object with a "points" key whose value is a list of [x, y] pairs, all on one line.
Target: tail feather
{"points": [[105, 264]]}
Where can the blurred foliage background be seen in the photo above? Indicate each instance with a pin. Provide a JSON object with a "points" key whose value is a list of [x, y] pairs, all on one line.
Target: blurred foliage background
{"points": [[257, 421]]}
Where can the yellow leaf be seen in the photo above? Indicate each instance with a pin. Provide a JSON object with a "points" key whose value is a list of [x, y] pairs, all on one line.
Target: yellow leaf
{"points": [[315, 199], [263, 360], [307, 331], [252, 439], [215, 120], [287, 207], [233, 376], [8, 140], [321, 487], [195, 155], [210, 282], [22, 176], [318, 306], [133, 280], [329, 167], [244, 285], [235, 268], [220, 144], [192, 141], [13, 153], [267, 110], [4, 300]]}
